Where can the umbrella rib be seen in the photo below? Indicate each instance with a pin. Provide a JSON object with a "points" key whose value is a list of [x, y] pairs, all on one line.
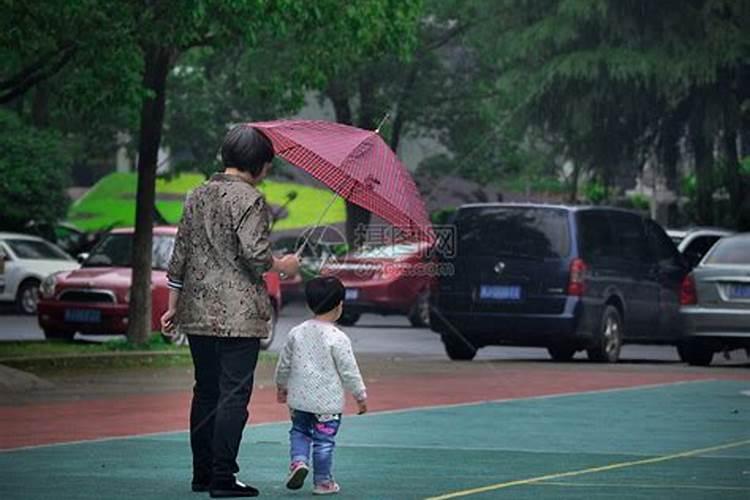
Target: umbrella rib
{"points": [[317, 224]]}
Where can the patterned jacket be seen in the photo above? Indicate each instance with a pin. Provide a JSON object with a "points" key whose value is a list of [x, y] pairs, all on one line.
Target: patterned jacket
{"points": [[220, 255]]}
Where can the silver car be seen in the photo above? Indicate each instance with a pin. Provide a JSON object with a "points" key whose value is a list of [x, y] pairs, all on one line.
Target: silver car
{"points": [[715, 301], [27, 260]]}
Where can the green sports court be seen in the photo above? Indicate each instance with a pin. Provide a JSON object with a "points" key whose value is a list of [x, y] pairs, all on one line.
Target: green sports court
{"points": [[688, 440]]}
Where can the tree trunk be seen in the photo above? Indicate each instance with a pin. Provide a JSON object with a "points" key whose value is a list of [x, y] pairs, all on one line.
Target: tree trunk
{"points": [[158, 61], [400, 114], [339, 97], [703, 156], [732, 164], [573, 193], [669, 155]]}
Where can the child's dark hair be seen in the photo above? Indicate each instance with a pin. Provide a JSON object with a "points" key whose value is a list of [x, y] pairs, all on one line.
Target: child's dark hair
{"points": [[246, 149], [323, 294]]}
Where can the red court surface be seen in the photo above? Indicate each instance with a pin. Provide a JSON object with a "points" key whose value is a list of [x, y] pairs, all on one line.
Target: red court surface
{"points": [[89, 419]]}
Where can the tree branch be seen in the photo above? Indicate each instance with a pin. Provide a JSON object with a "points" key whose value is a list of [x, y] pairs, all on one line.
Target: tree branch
{"points": [[34, 74]]}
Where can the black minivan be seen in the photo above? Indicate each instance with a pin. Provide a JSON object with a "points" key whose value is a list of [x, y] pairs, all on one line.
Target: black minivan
{"points": [[567, 278]]}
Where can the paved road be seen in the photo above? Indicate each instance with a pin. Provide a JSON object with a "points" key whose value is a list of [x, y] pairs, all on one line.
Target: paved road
{"points": [[388, 335]]}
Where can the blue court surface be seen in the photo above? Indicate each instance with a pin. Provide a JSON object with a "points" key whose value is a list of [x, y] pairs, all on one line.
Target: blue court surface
{"points": [[675, 441]]}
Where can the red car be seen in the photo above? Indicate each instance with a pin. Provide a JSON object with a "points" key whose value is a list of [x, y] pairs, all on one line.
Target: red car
{"points": [[95, 298], [391, 279]]}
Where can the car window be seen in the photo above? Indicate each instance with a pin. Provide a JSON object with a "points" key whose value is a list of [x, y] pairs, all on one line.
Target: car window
{"points": [[662, 247], [631, 236], [115, 251], [730, 251], [516, 231], [36, 250], [701, 245], [596, 237]]}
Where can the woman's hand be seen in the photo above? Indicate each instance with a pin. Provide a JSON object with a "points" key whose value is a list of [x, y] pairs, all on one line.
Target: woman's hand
{"points": [[167, 321], [287, 265]]}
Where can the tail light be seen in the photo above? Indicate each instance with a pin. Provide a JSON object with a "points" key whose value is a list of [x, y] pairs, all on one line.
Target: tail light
{"points": [[577, 283], [688, 292]]}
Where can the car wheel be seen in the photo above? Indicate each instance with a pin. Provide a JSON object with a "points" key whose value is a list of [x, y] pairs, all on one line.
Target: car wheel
{"points": [[27, 297], [458, 348], [50, 334], [608, 342], [271, 325], [348, 318], [696, 353], [419, 316], [561, 352]]}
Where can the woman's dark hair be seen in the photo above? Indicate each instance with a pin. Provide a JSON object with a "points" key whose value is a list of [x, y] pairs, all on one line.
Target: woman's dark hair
{"points": [[246, 149], [323, 294]]}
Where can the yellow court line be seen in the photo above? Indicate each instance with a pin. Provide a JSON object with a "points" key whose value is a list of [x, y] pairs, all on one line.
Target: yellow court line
{"points": [[604, 468], [702, 487]]}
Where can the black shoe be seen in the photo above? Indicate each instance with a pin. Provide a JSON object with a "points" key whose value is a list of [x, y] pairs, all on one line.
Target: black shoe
{"points": [[201, 482], [229, 489], [201, 487]]}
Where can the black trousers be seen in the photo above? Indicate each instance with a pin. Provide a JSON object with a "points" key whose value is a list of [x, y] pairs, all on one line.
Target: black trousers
{"points": [[224, 369]]}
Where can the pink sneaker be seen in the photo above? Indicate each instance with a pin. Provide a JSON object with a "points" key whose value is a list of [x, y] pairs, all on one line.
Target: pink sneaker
{"points": [[326, 488], [297, 474]]}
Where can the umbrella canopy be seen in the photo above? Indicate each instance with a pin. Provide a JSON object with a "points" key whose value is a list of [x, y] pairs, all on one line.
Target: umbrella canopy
{"points": [[356, 164]]}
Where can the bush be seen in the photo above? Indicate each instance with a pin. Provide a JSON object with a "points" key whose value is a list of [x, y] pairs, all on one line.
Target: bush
{"points": [[595, 192], [640, 202], [34, 172]]}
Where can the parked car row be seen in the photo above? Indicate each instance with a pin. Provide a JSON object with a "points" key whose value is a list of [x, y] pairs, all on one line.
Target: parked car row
{"points": [[565, 278], [91, 297], [585, 278]]}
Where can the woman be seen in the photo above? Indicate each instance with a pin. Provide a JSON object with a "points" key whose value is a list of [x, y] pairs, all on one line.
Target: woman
{"points": [[218, 298]]}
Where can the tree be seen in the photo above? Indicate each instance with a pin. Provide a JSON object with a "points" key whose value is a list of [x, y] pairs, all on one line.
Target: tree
{"points": [[618, 81], [33, 172]]}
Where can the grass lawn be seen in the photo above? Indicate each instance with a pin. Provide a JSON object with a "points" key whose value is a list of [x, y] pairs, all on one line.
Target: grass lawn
{"points": [[111, 202], [54, 355]]}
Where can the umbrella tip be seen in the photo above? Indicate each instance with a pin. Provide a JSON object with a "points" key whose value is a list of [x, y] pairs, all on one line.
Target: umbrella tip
{"points": [[382, 122]]}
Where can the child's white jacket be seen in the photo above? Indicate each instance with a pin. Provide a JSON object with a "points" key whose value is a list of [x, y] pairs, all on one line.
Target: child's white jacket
{"points": [[315, 366]]}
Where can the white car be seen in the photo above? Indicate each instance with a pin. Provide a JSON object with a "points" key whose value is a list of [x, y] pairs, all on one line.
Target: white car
{"points": [[27, 261], [694, 243]]}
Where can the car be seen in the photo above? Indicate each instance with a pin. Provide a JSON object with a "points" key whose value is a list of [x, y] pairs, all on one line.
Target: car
{"points": [[567, 278], [385, 279], [95, 298], [694, 243], [27, 261], [715, 302]]}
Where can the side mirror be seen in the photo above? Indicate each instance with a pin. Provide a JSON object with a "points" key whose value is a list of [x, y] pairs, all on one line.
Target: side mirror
{"points": [[81, 257]]}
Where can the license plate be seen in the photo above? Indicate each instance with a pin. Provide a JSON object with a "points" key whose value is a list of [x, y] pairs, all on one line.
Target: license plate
{"points": [[83, 316], [740, 292], [351, 294], [497, 292]]}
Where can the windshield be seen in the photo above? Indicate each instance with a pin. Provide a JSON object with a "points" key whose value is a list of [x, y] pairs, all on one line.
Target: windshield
{"points": [[115, 251], [513, 231], [730, 251], [387, 251], [36, 250]]}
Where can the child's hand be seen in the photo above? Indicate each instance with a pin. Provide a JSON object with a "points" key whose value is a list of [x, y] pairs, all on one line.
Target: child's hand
{"points": [[361, 407], [281, 395]]}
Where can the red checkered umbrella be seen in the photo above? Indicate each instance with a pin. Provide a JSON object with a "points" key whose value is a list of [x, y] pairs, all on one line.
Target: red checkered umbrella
{"points": [[356, 164]]}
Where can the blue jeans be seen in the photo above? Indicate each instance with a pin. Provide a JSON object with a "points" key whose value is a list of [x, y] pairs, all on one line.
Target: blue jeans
{"points": [[307, 432]]}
